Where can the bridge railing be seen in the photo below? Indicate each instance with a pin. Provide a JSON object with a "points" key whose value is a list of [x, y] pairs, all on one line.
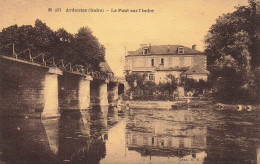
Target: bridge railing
{"points": [[61, 64]]}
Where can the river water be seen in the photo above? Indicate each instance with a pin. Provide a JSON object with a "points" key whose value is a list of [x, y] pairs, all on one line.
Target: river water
{"points": [[115, 135]]}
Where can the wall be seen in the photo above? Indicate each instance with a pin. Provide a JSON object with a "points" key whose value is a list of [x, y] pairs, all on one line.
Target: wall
{"points": [[94, 92], [161, 76], [68, 91], [143, 63], [21, 87], [200, 60], [113, 92]]}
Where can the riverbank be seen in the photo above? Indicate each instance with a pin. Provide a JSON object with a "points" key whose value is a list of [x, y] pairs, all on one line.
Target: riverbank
{"points": [[153, 104], [185, 103]]}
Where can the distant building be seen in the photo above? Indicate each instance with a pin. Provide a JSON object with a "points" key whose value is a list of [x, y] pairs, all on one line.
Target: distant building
{"points": [[160, 60]]}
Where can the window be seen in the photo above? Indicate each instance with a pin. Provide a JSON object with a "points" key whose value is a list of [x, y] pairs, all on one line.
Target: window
{"points": [[180, 50], [175, 61], [138, 62], [162, 142], [145, 51], [152, 62], [151, 77], [169, 143], [145, 141], [162, 61], [187, 61], [134, 140]]}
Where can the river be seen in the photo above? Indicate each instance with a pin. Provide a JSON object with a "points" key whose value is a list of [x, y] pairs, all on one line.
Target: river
{"points": [[115, 135]]}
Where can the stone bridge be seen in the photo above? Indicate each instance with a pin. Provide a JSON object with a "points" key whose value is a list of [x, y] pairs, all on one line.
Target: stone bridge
{"points": [[45, 89]]}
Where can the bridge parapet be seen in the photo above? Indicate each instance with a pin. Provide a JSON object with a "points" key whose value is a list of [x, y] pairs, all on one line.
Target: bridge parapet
{"points": [[42, 60], [35, 85]]}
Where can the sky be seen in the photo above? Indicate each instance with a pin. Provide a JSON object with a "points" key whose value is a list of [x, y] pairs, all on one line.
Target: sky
{"points": [[182, 22]]}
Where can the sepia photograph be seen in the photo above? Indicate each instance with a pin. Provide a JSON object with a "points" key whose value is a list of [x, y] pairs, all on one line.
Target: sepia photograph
{"points": [[130, 81]]}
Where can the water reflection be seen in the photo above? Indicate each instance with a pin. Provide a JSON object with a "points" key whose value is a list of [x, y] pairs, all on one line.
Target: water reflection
{"points": [[234, 137], [82, 136], [76, 137], [113, 115], [51, 127], [115, 135], [27, 140], [165, 133]]}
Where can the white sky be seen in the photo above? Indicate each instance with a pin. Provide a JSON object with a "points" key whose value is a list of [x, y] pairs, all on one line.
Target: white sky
{"points": [[184, 22]]}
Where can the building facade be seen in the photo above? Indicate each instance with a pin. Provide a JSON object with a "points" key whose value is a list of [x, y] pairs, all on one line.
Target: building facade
{"points": [[158, 61]]}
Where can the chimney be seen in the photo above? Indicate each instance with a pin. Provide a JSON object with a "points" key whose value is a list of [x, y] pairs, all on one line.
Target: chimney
{"points": [[143, 45], [194, 47], [168, 48], [150, 47]]}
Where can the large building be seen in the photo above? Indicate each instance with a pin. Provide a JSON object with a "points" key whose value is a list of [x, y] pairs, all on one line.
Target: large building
{"points": [[160, 60]]}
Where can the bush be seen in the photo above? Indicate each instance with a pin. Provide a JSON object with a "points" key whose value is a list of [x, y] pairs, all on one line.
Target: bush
{"points": [[148, 90]]}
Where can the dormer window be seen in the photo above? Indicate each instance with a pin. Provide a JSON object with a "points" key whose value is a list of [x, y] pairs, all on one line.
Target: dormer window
{"points": [[145, 51], [180, 50]]}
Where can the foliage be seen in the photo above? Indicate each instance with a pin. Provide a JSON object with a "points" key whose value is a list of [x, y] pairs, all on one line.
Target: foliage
{"points": [[82, 48], [192, 85], [148, 90], [188, 83], [169, 86], [64, 45], [173, 81], [233, 54], [135, 79], [88, 48]]}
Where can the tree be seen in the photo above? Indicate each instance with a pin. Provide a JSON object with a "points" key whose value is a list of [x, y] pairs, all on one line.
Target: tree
{"points": [[44, 39], [81, 49], [65, 45], [189, 84], [139, 86], [8, 35], [88, 49], [233, 54], [171, 83], [148, 88], [135, 79]]}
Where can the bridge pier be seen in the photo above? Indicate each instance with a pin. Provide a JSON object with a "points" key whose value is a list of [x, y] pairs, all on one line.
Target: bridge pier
{"points": [[74, 91], [113, 93], [103, 100], [50, 91], [84, 92]]}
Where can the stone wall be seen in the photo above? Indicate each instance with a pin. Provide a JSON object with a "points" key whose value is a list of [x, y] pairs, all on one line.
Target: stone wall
{"points": [[68, 91], [21, 87], [94, 92], [27, 88]]}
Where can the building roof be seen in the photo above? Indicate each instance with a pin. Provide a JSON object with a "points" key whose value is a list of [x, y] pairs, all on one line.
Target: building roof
{"points": [[195, 70], [105, 67], [165, 50]]}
